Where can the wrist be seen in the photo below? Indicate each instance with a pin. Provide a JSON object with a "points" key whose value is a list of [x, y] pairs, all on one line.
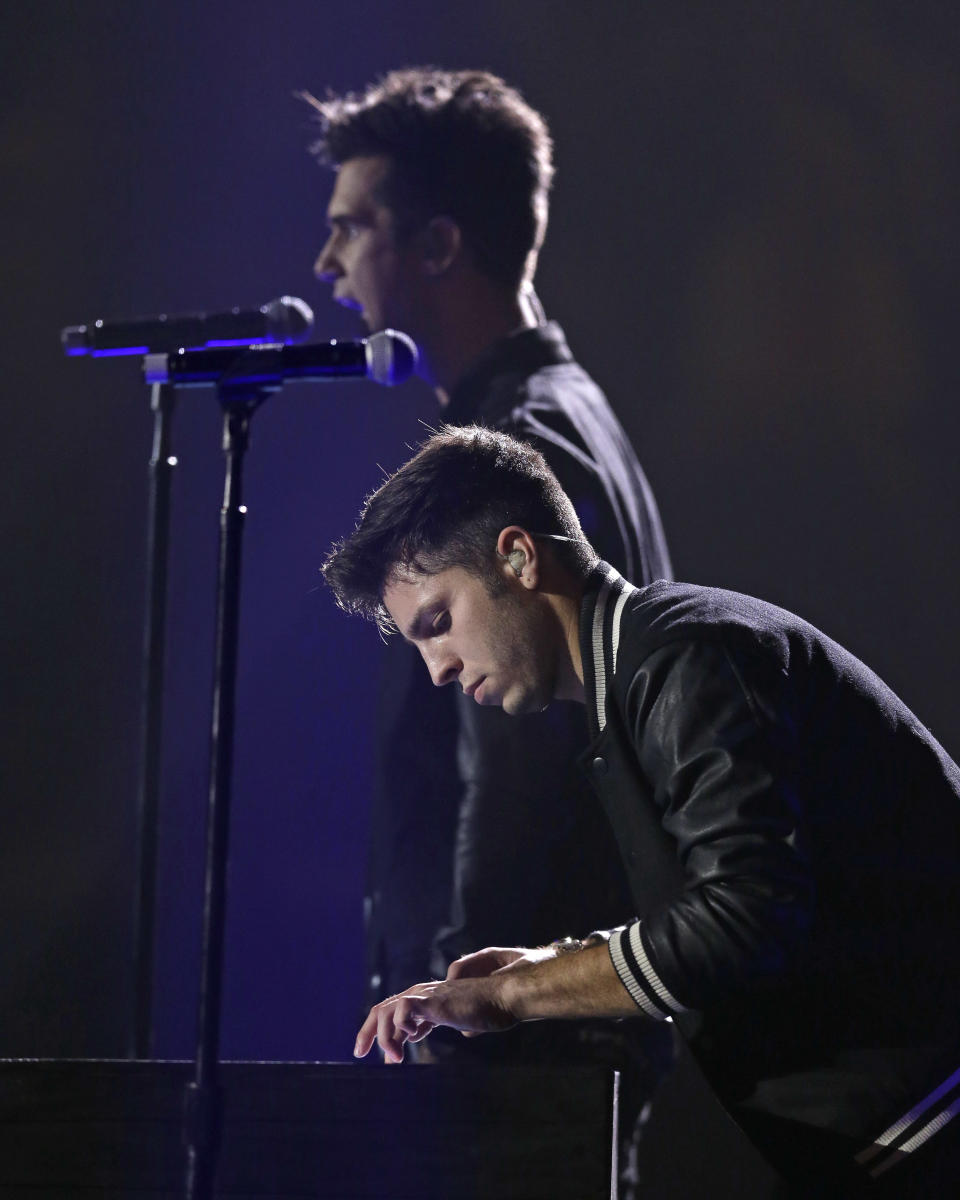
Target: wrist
{"points": [[529, 989], [510, 993]]}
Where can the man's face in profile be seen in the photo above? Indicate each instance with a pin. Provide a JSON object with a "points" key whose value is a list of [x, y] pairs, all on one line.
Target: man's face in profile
{"points": [[500, 646], [369, 271]]}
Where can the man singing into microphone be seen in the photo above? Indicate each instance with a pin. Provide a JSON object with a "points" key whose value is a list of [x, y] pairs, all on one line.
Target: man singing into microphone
{"points": [[436, 220]]}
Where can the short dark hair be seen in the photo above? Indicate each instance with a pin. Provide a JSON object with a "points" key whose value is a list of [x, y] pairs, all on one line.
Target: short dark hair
{"points": [[445, 508], [462, 144]]}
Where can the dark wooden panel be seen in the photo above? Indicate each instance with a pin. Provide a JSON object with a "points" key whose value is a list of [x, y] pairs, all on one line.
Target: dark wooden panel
{"points": [[332, 1131]]}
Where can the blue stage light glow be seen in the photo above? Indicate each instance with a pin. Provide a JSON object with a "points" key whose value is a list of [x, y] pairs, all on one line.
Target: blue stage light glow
{"points": [[115, 353], [218, 342]]}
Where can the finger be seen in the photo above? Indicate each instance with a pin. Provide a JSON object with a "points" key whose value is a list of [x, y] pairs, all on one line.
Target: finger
{"points": [[366, 1035], [426, 1028], [390, 1038], [406, 1016], [410, 1020]]}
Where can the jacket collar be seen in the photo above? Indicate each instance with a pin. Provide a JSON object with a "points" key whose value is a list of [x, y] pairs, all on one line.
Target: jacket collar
{"points": [[521, 354], [601, 614]]}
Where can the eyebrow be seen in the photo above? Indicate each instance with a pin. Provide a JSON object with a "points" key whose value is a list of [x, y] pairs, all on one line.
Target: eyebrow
{"points": [[355, 216], [410, 633]]}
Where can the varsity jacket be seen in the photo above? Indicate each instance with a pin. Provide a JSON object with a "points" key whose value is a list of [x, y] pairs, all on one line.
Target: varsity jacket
{"points": [[791, 834]]}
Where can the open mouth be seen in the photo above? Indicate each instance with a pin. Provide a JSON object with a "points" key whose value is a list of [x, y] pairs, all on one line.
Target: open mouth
{"points": [[347, 301]]}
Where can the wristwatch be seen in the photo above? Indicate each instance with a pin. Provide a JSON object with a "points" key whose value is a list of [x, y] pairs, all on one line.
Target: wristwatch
{"points": [[567, 945]]}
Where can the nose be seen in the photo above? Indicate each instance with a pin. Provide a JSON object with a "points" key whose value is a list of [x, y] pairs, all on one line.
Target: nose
{"points": [[326, 268], [443, 665]]}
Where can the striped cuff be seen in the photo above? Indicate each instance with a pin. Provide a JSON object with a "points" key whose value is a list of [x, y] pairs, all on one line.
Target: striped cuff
{"points": [[632, 964], [599, 937]]}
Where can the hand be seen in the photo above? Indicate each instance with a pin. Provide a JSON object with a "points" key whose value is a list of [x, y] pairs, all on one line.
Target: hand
{"points": [[492, 959], [470, 1005]]}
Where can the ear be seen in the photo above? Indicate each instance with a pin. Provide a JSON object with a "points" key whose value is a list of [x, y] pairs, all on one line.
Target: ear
{"points": [[517, 551], [441, 242]]}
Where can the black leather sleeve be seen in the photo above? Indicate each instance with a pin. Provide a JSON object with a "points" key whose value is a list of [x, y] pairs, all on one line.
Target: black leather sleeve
{"points": [[723, 777]]}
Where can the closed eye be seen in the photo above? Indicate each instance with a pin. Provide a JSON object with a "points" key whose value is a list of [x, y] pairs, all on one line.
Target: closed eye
{"points": [[440, 623]]}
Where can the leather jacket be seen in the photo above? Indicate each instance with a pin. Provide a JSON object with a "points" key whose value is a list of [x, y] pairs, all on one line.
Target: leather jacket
{"points": [[791, 833]]}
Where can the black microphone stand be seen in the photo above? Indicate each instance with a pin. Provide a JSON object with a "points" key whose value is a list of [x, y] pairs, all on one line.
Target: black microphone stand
{"points": [[243, 380], [203, 1111], [239, 398], [161, 468]]}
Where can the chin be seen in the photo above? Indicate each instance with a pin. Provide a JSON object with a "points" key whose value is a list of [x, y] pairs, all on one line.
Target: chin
{"points": [[525, 704], [375, 321]]}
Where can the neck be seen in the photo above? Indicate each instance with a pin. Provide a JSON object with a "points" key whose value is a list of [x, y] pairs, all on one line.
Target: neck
{"points": [[465, 324], [566, 605]]}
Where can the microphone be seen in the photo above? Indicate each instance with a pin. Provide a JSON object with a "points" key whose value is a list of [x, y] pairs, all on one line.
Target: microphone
{"points": [[286, 319], [388, 357]]}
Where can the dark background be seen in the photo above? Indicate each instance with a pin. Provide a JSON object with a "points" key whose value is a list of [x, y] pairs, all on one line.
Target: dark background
{"points": [[753, 247]]}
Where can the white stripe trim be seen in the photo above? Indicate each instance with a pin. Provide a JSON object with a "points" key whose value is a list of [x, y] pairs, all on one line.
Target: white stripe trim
{"points": [[636, 945], [918, 1139], [917, 1111], [637, 994], [618, 617], [599, 671], [599, 658], [931, 1128]]}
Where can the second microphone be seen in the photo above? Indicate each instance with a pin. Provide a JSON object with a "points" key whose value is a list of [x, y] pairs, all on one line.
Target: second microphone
{"points": [[387, 357]]}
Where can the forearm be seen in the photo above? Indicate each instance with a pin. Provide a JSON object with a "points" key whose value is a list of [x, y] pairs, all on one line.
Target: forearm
{"points": [[566, 986]]}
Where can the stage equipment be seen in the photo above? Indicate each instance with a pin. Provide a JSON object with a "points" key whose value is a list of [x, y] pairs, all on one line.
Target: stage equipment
{"points": [[326, 1131], [286, 319], [386, 357], [244, 378]]}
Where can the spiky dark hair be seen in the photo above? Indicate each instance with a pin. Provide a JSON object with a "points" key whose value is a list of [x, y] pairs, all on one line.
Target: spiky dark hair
{"points": [[446, 508], [462, 144]]}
